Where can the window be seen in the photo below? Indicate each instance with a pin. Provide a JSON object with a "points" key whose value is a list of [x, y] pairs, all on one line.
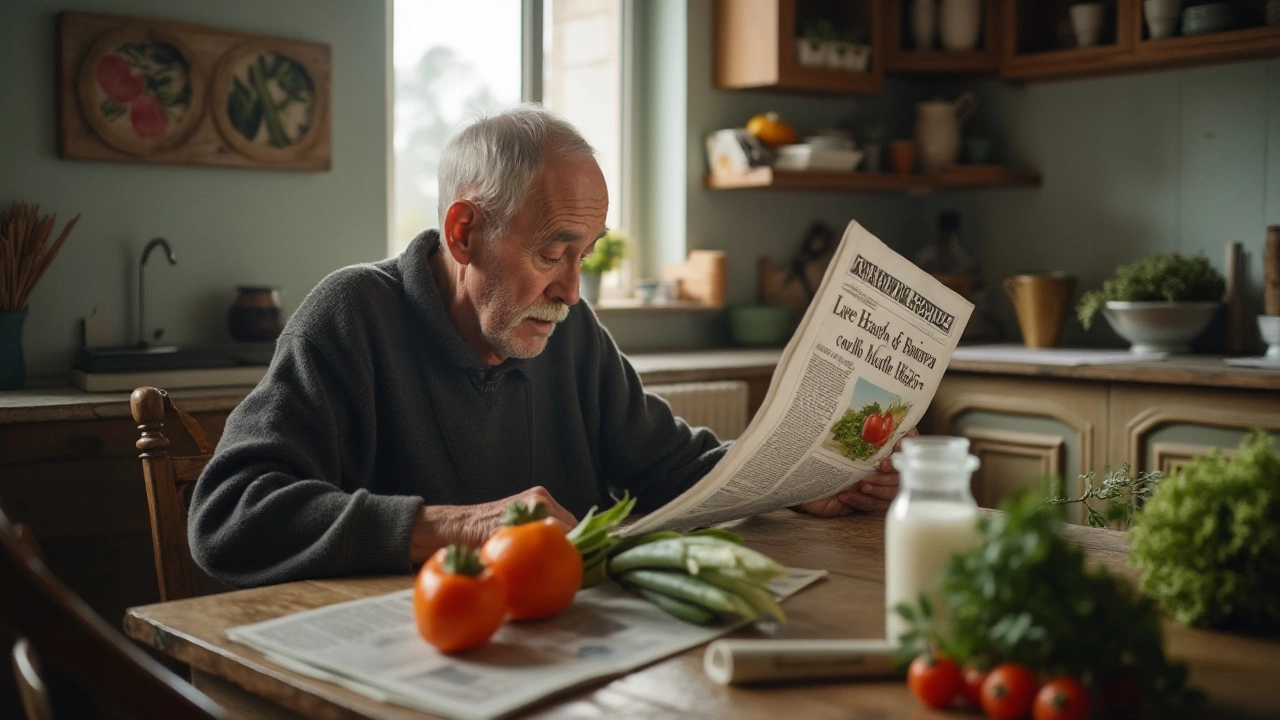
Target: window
{"points": [[455, 59]]}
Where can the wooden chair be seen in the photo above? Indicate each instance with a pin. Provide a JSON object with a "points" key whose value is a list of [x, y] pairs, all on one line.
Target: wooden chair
{"points": [[169, 481], [50, 619]]}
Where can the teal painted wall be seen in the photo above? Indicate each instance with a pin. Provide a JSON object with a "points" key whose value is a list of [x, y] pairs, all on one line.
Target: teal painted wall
{"points": [[1182, 160], [227, 226]]}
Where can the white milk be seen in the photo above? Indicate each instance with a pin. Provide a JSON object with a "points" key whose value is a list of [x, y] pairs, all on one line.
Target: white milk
{"points": [[933, 518], [917, 546]]}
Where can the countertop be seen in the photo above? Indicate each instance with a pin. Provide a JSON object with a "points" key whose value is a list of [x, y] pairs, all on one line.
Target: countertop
{"points": [[1183, 370]]}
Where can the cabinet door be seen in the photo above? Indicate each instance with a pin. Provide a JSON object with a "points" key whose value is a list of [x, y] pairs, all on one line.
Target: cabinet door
{"points": [[1041, 39], [1163, 428], [1031, 434]]}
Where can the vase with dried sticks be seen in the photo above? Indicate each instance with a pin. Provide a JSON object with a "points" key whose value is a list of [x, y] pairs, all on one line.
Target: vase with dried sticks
{"points": [[25, 255]]}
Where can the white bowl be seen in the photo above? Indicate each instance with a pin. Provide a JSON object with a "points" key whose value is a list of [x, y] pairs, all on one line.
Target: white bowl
{"points": [[1269, 328], [1153, 327]]}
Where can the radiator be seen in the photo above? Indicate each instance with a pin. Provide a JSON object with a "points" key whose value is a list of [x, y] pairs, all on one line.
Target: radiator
{"points": [[720, 406]]}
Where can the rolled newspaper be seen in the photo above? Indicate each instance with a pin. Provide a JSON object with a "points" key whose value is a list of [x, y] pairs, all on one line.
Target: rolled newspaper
{"points": [[730, 662]]}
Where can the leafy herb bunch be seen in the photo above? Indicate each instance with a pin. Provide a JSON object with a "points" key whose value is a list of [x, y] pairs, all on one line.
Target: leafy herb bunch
{"points": [[1121, 492], [1025, 596], [1164, 276], [1208, 543]]}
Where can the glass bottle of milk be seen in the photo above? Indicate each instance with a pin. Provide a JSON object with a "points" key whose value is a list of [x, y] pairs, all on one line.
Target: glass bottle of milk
{"points": [[933, 518]]}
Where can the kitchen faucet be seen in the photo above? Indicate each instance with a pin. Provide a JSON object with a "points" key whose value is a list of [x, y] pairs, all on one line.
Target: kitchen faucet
{"points": [[142, 290]]}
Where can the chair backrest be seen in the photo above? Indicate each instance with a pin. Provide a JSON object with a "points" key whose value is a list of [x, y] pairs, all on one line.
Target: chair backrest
{"points": [[37, 607], [169, 482]]}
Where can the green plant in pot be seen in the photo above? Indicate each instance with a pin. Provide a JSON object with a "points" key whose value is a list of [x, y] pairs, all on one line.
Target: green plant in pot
{"points": [[606, 256], [1159, 303], [25, 255]]}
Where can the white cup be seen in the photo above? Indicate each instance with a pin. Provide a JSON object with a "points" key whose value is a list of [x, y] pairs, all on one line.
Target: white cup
{"points": [[1162, 17], [1086, 21]]}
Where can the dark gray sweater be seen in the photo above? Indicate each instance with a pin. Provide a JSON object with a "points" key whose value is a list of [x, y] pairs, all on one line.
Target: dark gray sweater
{"points": [[373, 405]]}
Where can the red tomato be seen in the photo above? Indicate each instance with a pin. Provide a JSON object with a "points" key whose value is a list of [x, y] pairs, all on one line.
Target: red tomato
{"points": [[888, 420], [873, 429], [147, 117], [972, 687], [1008, 692], [1061, 698], [934, 679], [457, 603], [116, 77], [540, 567]]}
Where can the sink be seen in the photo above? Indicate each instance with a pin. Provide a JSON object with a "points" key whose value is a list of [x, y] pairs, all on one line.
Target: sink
{"points": [[135, 359]]}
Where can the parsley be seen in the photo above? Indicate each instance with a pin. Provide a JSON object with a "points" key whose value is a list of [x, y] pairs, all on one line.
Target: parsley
{"points": [[1165, 276]]}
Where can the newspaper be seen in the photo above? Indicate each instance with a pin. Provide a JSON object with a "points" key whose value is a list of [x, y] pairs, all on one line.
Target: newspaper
{"points": [[372, 647], [857, 375]]}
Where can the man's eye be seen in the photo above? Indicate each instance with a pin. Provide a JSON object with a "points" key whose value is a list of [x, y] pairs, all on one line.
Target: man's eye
{"points": [[552, 260]]}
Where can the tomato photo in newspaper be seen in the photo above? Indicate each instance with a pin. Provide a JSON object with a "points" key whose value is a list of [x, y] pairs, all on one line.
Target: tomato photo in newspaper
{"points": [[861, 432]]}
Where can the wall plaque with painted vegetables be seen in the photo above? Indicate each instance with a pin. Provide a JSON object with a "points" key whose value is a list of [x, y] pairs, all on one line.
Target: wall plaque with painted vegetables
{"points": [[151, 90]]}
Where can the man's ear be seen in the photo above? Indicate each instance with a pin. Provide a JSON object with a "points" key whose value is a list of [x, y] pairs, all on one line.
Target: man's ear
{"points": [[461, 230]]}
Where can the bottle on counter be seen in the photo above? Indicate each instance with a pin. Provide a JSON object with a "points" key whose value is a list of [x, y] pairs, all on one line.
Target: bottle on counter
{"points": [[933, 518]]}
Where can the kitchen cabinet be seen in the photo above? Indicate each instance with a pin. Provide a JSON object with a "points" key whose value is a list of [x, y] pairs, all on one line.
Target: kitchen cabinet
{"points": [[902, 56], [757, 45], [1038, 42], [1027, 422]]}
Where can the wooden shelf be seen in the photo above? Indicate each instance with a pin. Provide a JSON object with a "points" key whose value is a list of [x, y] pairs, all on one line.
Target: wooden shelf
{"points": [[914, 184], [1132, 51], [901, 57], [755, 47]]}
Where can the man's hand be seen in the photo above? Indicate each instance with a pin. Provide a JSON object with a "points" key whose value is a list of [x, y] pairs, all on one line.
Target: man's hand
{"points": [[439, 525], [871, 494]]}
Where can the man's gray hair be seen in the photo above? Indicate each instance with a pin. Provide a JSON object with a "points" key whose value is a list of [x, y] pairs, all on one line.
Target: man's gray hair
{"points": [[492, 161]]}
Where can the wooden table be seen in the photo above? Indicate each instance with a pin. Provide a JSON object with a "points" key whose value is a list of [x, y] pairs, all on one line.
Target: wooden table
{"points": [[1239, 673]]}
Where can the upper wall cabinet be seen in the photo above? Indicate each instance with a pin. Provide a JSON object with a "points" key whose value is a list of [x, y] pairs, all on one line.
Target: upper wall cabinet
{"points": [[1045, 39], [942, 36], [831, 46]]}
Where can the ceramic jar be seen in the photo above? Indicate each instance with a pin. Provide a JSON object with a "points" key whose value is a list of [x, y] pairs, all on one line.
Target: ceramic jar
{"points": [[924, 23], [256, 315], [960, 24], [938, 130]]}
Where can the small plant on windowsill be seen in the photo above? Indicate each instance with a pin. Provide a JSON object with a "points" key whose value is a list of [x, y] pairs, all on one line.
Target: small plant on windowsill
{"points": [[606, 256]]}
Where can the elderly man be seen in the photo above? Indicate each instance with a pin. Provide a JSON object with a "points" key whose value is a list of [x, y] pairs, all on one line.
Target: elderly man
{"points": [[411, 400]]}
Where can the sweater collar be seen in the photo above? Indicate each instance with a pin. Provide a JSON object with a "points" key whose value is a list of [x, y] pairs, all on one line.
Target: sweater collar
{"points": [[424, 296]]}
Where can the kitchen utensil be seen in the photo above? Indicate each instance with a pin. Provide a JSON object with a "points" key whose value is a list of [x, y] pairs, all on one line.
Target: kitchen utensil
{"points": [[1041, 301], [960, 24], [1213, 17], [798, 158], [1086, 22], [1162, 17], [938, 130], [924, 23], [1159, 326], [902, 156]]}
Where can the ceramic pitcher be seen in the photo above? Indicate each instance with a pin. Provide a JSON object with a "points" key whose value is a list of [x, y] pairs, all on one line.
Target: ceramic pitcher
{"points": [[938, 130]]}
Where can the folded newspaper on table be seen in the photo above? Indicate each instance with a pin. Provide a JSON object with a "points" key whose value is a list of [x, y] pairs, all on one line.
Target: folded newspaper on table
{"points": [[372, 647], [857, 375]]}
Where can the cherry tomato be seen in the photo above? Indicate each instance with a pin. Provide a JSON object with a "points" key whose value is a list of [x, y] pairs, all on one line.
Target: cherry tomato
{"points": [[1061, 698], [457, 602], [117, 79], [972, 684], [147, 117], [934, 679], [1008, 692], [539, 566]]}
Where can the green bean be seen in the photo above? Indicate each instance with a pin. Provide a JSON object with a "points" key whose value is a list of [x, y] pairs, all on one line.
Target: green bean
{"points": [[686, 611], [760, 597], [691, 589], [660, 554], [756, 565]]}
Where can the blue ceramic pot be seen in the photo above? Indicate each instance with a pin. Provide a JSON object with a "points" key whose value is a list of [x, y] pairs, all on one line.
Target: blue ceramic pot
{"points": [[13, 370]]}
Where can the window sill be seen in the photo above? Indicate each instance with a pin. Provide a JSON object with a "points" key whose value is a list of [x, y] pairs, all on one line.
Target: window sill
{"points": [[628, 306]]}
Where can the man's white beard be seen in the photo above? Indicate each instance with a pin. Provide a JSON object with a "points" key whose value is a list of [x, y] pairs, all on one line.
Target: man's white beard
{"points": [[503, 339]]}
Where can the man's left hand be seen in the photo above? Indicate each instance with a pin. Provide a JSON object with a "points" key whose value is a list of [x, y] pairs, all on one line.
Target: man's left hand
{"points": [[871, 494]]}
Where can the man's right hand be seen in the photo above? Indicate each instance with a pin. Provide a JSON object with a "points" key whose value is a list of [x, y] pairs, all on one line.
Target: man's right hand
{"points": [[439, 525]]}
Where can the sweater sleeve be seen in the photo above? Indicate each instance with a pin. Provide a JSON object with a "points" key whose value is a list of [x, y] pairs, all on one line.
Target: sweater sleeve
{"points": [[646, 448], [272, 505]]}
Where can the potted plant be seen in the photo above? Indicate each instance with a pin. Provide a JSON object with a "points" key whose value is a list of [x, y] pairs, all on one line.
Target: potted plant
{"points": [[1159, 303], [606, 256], [874, 134], [849, 51], [814, 47]]}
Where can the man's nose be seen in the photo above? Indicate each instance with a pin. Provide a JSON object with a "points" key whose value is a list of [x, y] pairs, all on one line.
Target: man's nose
{"points": [[565, 288]]}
